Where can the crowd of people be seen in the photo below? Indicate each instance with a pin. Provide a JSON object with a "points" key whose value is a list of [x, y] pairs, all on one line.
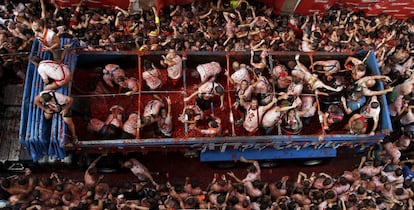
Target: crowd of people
{"points": [[382, 180], [200, 26]]}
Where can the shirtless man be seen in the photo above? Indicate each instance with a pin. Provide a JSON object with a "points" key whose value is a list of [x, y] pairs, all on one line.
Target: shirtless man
{"points": [[368, 82], [174, 65], [206, 71], [312, 80], [56, 71], [90, 177], [130, 127], [152, 76], [151, 112], [52, 102], [205, 94], [139, 170], [254, 113], [253, 178], [112, 73]]}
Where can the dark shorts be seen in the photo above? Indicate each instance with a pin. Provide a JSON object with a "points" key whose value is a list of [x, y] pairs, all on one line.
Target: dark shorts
{"points": [[203, 104], [68, 114], [126, 135], [110, 131]]}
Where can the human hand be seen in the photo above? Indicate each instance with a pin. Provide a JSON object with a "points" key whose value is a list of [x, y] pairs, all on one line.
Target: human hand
{"points": [[48, 111], [168, 99]]}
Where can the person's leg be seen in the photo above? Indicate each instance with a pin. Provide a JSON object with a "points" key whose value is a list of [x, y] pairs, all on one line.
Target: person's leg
{"points": [[48, 116], [71, 126], [51, 86]]}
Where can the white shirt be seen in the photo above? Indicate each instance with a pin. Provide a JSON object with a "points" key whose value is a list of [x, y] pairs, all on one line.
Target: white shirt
{"points": [[51, 69]]}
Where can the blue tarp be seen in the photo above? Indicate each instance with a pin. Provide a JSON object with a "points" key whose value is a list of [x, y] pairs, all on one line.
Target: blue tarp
{"points": [[40, 136]]}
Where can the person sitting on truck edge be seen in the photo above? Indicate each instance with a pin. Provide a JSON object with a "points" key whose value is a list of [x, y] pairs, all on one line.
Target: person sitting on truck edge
{"points": [[52, 102]]}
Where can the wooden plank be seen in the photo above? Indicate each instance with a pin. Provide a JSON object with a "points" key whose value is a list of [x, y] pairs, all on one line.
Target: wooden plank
{"points": [[13, 134], [5, 140]]}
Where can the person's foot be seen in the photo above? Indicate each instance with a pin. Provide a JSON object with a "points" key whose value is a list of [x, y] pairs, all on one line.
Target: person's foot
{"points": [[75, 139]]}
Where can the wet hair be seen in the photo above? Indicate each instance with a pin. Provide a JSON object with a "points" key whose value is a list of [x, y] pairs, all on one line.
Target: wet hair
{"points": [[258, 184], [279, 185], [251, 168], [398, 171], [45, 181], [407, 184], [213, 123], [374, 104], [352, 198], [245, 203], [240, 188], [221, 182], [327, 181], [5, 183], [329, 194], [383, 179], [221, 198], [68, 196], [36, 194], [399, 191], [22, 181], [342, 180], [361, 190], [219, 89], [195, 183], [233, 200], [46, 96], [306, 183], [190, 201], [35, 59], [59, 187]]}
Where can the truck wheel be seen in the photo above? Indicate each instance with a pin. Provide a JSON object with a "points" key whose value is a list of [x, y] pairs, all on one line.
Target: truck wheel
{"points": [[191, 154], [223, 165], [312, 162], [269, 163]]}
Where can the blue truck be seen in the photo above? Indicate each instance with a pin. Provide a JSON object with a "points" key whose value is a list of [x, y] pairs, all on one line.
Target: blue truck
{"points": [[46, 138]]}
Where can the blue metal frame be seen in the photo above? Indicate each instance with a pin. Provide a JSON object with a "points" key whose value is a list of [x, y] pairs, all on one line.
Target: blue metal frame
{"points": [[39, 136]]}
